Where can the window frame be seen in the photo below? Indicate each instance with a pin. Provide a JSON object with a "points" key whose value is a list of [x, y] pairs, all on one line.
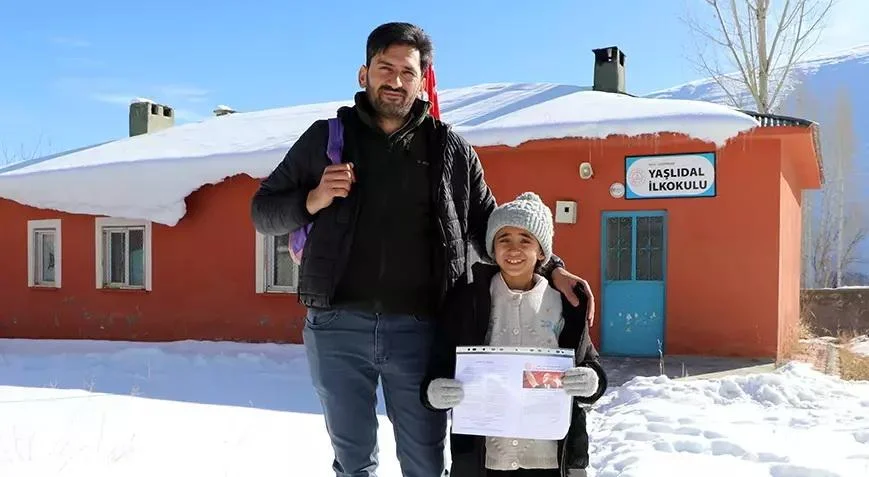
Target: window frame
{"points": [[35, 227], [101, 224], [264, 261], [633, 251]]}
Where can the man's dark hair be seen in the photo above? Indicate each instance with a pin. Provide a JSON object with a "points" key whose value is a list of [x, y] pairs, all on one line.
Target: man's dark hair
{"points": [[399, 33]]}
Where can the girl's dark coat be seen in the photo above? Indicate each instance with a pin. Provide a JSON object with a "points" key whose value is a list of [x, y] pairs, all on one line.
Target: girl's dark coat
{"points": [[465, 322]]}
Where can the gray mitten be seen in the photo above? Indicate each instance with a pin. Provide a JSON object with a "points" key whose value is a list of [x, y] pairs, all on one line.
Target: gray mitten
{"points": [[444, 393], [581, 381]]}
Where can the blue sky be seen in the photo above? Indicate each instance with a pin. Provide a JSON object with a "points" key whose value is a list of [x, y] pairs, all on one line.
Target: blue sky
{"points": [[69, 69]]}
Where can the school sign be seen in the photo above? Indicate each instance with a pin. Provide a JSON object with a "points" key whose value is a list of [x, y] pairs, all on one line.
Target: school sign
{"points": [[670, 176]]}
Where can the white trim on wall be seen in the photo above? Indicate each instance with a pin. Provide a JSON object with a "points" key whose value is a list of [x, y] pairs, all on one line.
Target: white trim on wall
{"points": [[263, 262], [34, 226], [108, 222], [260, 263]]}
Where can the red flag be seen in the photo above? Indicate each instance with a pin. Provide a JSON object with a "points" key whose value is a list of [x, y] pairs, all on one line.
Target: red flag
{"points": [[432, 92]]}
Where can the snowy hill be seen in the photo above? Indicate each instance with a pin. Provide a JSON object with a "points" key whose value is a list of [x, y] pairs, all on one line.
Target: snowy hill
{"points": [[822, 77]]}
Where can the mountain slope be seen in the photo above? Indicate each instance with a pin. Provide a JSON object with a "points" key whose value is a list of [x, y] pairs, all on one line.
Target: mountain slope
{"points": [[848, 68], [822, 78]]}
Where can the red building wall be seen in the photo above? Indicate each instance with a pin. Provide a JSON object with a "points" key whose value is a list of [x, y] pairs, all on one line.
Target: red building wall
{"points": [[731, 274], [723, 269], [791, 182], [203, 279]]}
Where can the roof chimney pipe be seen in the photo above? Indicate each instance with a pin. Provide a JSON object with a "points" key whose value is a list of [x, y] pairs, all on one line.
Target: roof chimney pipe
{"points": [[222, 110], [147, 116], [609, 70]]}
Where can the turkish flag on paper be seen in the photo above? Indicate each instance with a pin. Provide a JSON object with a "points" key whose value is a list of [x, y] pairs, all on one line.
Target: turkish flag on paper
{"points": [[432, 92]]}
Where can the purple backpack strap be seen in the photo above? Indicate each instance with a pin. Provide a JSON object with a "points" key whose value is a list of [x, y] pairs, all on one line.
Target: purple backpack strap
{"points": [[336, 140], [334, 149]]}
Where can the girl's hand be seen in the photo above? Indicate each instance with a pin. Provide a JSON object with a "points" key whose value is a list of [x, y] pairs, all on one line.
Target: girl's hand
{"points": [[444, 393], [581, 382]]}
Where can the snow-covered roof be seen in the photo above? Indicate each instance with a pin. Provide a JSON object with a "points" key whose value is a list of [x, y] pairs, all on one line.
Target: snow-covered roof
{"points": [[149, 176]]}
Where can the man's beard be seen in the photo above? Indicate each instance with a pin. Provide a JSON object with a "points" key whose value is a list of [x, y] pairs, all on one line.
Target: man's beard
{"points": [[388, 109]]}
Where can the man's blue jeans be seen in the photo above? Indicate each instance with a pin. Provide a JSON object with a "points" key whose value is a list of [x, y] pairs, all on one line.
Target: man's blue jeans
{"points": [[347, 353]]}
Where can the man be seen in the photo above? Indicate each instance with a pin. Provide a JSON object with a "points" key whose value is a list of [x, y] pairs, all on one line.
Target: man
{"points": [[391, 227]]}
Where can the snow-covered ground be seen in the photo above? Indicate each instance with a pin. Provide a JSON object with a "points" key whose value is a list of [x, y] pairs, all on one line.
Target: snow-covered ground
{"points": [[860, 345], [94, 409]]}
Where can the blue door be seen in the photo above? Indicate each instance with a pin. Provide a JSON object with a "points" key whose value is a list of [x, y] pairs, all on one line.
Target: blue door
{"points": [[633, 258]]}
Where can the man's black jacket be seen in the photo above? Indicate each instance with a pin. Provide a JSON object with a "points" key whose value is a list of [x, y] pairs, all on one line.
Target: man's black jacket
{"points": [[464, 321], [360, 247]]}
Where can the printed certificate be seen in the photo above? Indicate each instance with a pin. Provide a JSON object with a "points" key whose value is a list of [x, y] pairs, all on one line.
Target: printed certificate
{"points": [[512, 392]]}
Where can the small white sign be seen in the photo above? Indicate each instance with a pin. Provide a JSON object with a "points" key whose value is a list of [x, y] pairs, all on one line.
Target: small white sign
{"points": [[565, 212], [673, 175], [617, 190]]}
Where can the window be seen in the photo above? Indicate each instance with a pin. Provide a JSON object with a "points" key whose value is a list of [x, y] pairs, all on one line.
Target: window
{"points": [[634, 248], [650, 248], [123, 253], [43, 253], [275, 270], [619, 232]]}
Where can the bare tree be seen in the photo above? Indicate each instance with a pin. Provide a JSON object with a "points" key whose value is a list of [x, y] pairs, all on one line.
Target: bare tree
{"points": [[762, 42], [760, 56], [849, 226], [21, 153], [806, 105], [835, 223]]}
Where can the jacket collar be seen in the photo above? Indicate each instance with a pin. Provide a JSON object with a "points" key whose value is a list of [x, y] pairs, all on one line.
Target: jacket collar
{"points": [[574, 316], [484, 271]]}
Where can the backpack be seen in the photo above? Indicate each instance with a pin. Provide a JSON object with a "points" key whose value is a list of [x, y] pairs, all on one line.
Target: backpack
{"points": [[334, 148]]}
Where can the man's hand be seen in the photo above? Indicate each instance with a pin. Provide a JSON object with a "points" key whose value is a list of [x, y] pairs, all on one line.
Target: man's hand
{"points": [[335, 182], [564, 282]]}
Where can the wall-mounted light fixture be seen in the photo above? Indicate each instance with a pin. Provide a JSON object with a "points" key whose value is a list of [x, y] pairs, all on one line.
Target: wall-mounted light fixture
{"points": [[585, 170]]}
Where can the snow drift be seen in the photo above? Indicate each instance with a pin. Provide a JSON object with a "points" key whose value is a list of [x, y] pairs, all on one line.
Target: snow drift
{"points": [[93, 409]]}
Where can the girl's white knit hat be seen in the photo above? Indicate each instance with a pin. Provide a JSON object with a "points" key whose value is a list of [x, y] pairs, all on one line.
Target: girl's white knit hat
{"points": [[527, 212]]}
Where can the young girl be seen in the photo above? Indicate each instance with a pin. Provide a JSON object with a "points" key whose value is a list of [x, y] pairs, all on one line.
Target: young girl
{"points": [[511, 305]]}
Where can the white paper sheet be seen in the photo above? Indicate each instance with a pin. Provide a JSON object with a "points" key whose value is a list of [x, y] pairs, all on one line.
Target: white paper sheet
{"points": [[512, 392]]}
